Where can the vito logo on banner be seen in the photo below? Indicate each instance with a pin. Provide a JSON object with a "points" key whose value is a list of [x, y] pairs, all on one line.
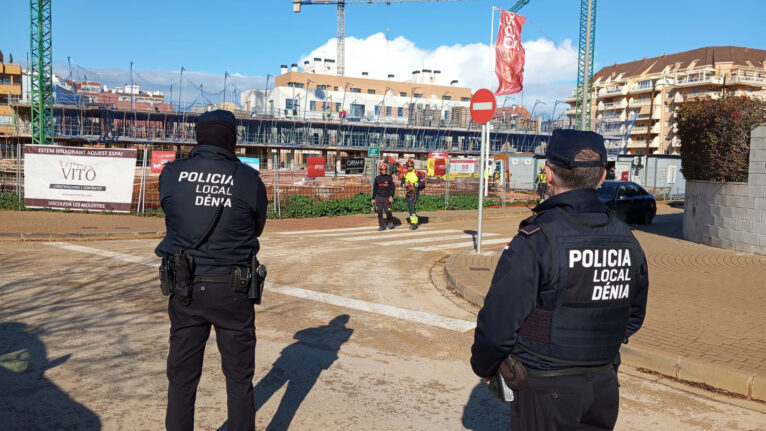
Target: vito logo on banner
{"points": [[95, 179], [509, 54]]}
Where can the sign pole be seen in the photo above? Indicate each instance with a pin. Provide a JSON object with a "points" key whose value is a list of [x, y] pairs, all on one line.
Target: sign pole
{"points": [[484, 128]]}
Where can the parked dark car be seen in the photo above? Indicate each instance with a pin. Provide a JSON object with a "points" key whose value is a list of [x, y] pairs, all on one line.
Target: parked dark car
{"points": [[628, 201]]}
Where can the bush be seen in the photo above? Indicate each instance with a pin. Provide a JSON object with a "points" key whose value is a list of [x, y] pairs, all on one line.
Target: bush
{"points": [[715, 137], [11, 201], [302, 207]]}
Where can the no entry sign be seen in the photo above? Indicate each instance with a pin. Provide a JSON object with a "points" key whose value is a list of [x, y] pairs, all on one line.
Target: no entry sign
{"points": [[483, 106]]}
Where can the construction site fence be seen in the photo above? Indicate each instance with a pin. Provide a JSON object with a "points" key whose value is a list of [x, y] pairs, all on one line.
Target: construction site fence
{"points": [[280, 184]]}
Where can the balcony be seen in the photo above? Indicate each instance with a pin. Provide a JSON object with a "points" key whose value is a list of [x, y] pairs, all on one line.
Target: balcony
{"points": [[612, 91], [613, 105], [572, 98], [693, 80], [641, 143], [639, 130], [637, 89], [656, 129], [639, 102], [12, 89], [703, 95], [755, 81]]}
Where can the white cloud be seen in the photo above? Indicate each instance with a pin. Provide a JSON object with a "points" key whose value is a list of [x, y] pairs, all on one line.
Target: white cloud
{"points": [[550, 71]]}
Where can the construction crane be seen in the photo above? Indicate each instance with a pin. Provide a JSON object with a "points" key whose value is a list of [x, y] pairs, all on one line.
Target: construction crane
{"points": [[585, 64], [41, 72], [341, 4]]}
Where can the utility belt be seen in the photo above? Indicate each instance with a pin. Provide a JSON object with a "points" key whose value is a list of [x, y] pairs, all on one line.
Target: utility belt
{"points": [[177, 275]]}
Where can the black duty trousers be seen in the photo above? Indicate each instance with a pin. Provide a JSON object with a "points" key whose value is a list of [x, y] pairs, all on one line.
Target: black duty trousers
{"points": [[587, 401], [382, 204], [233, 316]]}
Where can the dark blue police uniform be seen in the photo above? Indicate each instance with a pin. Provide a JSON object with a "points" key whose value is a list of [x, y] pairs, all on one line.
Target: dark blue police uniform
{"points": [[191, 190], [568, 290]]}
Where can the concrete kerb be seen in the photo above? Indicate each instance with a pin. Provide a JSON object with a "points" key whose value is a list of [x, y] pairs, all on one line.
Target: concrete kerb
{"points": [[77, 236], [736, 381]]}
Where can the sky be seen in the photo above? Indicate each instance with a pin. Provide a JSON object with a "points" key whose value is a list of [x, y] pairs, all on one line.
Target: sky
{"points": [[252, 38]]}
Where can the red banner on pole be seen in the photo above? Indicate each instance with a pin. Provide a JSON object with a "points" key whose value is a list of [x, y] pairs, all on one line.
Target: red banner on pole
{"points": [[509, 54]]}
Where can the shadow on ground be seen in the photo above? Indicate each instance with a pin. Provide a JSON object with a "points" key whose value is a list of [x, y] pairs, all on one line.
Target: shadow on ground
{"points": [[484, 412], [668, 225], [30, 400], [299, 366]]}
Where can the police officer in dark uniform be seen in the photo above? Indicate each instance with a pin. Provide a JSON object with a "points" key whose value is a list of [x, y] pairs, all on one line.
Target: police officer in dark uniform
{"points": [[215, 209], [568, 290]]}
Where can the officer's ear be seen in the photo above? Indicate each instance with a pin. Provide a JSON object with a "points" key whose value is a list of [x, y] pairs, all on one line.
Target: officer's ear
{"points": [[603, 177]]}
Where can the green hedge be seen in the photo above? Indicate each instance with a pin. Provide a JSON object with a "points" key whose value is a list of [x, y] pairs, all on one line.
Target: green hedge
{"points": [[715, 137], [303, 207], [11, 201]]}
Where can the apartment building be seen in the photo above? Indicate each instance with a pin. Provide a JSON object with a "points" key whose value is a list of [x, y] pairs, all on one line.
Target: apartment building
{"points": [[633, 104], [318, 93], [10, 91]]}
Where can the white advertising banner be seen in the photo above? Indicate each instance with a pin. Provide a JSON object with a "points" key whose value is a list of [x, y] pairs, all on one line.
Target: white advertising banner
{"points": [[93, 179]]}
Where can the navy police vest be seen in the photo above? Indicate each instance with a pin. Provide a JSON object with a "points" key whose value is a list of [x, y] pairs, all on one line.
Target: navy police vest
{"points": [[582, 311]]}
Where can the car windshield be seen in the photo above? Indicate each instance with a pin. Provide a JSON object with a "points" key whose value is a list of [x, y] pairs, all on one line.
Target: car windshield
{"points": [[606, 191]]}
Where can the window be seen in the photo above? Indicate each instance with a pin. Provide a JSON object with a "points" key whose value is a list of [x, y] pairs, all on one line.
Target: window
{"points": [[670, 95], [402, 94], [356, 90], [337, 107], [671, 174], [446, 97], [400, 112], [312, 106], [417, 95], [291, 104], [296, 84], [377, 110], [335, 88], [370, 91], [645, 84], [388, 111], [321, 87], [465, 99]]}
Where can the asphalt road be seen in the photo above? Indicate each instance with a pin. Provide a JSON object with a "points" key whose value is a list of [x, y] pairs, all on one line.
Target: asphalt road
{"points": [[357, 331]]}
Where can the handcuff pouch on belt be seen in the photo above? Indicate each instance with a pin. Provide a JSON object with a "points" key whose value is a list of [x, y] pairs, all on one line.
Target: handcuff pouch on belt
{"points": [[510, 375], [250, 280]]}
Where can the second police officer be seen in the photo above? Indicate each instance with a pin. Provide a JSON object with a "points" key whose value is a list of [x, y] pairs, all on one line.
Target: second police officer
{"points": [[568, 290], [215, 210]]}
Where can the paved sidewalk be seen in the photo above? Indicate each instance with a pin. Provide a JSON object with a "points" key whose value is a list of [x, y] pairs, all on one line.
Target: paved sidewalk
{"points": [[705, 317]]}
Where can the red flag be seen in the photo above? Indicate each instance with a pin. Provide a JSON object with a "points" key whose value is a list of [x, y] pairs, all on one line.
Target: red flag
{"points": [[509, 53]]}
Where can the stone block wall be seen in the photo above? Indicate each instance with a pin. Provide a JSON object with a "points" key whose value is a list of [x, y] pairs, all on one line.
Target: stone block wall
{"points": [[731, 215]]}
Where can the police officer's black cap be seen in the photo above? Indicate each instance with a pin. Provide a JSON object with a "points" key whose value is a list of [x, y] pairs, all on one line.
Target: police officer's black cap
{"points": [[217, 128], [219, 116], [565, 143]]}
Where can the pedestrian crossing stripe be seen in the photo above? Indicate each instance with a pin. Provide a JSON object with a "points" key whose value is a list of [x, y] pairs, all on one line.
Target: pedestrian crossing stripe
{"points": [[398, 235], [437, 238], [301, 232], [459, 245]]}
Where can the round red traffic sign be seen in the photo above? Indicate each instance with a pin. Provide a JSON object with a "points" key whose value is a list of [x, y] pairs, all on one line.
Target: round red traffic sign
{"points": [[483, 106]]}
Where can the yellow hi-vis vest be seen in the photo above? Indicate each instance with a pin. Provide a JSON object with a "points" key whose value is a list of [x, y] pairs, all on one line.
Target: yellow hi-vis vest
{"points": [[541, 178], [411, 177]]}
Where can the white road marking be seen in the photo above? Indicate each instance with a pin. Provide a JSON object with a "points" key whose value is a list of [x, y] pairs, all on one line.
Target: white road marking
{"points": [[356, 304], [459, 244], [376, 232], [129, 258], [431, 239], [398, 235], [482, 106], [371, 307], [301, 232]]}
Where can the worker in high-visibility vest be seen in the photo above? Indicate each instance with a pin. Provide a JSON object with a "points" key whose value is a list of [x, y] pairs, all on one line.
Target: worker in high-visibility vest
{"points": [[542, 183], [413, 183]]}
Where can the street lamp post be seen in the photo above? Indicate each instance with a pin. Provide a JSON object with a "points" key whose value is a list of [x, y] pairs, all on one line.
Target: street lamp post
{"points": [[266, 92], [343, 102], [553, 114], [306, 99]]}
